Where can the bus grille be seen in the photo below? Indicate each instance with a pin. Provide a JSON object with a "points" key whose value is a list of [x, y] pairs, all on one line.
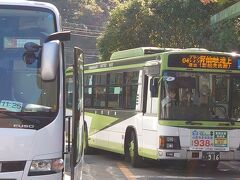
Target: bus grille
{"points": [[12, 166]]}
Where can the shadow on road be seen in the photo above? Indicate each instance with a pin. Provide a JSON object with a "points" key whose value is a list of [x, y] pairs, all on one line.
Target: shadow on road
{"points": [[194, 169]]}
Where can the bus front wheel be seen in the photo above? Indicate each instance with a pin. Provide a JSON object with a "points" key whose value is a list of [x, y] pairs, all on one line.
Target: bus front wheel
{"points": [[87, 149], [131, 152]]}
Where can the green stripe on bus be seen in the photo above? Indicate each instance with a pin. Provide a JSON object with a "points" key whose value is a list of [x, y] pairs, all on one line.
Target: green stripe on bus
{"points": [[114, 68], [148, 153], [99, 122]]}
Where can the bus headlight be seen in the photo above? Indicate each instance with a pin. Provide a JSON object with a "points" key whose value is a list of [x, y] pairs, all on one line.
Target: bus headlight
{"points": [[46, 166], [169, 145], [169, 142]]}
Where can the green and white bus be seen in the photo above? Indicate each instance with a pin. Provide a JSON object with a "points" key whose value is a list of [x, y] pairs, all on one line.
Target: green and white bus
{"points": [[165, 104]]}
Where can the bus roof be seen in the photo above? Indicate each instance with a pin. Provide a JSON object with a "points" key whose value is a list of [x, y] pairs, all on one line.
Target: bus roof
{"points": [[137, 58], [141, 51], [29, 3], [25, 3]]}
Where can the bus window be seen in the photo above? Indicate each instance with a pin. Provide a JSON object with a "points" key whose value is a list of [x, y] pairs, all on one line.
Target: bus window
{"points": [[69, 91], [191, 99], [186, 96], [88, 83], [235, 91], [99, 90], [116, 79], [100, 79], [221, 89], [115, 97], [169, 94], [99, 95], [115, 91], [131, 84], [88, 96]]}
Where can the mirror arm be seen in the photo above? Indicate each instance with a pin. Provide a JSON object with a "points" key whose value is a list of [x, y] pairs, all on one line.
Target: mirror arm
{"points": [[61, 36]]}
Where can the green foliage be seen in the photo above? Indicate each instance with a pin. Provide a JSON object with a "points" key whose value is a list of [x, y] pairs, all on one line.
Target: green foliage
{"points": [[226, 36], [162, 23], [165, 23], [93, 12], [127, 28]]}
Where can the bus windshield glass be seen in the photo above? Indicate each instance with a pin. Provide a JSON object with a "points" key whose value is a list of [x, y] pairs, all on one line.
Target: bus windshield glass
{"points": [[200, 96], [22, 89]]}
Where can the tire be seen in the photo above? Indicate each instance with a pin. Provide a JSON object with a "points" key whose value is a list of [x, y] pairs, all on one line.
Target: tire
{"points": [[87, 149], [131, 153]]}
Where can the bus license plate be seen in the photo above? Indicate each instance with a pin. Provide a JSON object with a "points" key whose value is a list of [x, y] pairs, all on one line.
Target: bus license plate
{"points": [[211, 156]]}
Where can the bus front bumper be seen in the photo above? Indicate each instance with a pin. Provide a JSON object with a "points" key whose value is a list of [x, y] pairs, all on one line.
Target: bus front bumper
{"points": [[19, 176], [232, 155]]}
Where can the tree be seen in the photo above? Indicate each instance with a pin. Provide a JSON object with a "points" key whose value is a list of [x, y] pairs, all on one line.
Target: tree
{"points": [[162, 23]]}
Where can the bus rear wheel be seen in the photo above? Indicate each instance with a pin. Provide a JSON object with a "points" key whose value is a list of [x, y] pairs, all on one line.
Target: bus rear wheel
{"points": [[131, 152]]}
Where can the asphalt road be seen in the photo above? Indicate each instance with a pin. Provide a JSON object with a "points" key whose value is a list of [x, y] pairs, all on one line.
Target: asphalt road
{"points": [[110, 166]]}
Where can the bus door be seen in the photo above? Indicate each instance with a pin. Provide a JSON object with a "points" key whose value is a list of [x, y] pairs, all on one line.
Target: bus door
{"points": [[76, 161], [151, 88], [150, 120], [150, 97]]}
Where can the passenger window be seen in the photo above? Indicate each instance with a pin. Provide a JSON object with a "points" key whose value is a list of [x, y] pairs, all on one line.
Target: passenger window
{"points": [[131, 85], [99, 95], [115, 91]]}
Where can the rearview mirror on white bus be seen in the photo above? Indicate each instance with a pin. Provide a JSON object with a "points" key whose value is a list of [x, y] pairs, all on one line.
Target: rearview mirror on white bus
{"points": [[50, 54], [50, 60]]}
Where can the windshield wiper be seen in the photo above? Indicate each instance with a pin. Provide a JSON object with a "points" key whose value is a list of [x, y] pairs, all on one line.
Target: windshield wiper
{"points": [[225, 119], [18, 115], [3, 110], [36, 108], [193, 123], [24, 118]]}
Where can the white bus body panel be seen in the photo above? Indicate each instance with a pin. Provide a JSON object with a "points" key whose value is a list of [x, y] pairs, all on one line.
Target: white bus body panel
{"points": [[27, 145], [44, 177], [148, 138], [20, 139], [149, 131], [20, 176], [185, 153], [41, 146]]}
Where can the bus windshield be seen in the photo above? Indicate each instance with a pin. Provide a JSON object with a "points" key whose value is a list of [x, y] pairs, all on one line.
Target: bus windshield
{"points": [[22, 89], [200, 96]]}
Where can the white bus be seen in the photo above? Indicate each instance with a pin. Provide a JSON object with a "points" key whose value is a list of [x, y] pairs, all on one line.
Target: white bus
{"points": [[32, 93], [165, 104]]}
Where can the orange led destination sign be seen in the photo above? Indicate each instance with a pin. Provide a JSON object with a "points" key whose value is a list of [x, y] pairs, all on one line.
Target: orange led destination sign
{"points": [[204, 61]]}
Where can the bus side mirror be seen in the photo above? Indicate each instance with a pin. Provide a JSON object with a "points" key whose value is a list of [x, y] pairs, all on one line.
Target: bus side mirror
{"points": [[50, 60], [61, 36], [50, 54]]}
